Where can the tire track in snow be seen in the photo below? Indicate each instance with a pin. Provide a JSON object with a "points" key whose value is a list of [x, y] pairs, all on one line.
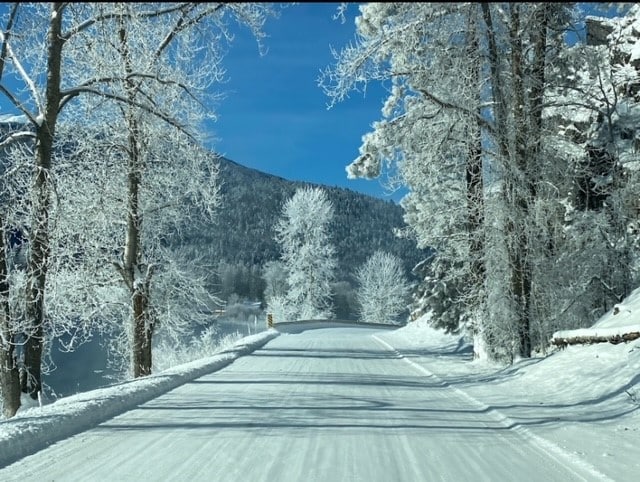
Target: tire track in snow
{"points": [[569, 460]]}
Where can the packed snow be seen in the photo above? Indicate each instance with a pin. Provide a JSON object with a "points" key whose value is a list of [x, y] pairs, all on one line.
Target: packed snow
{"points": [[37, 427], [573, 410], [581, 403]]}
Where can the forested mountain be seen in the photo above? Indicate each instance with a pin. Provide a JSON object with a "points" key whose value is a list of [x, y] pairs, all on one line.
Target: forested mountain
{"points": [[243, 239], [235, 248]]}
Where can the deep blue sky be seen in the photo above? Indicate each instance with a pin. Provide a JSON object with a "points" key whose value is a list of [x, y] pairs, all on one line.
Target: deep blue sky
{"points": [[275, 118]]}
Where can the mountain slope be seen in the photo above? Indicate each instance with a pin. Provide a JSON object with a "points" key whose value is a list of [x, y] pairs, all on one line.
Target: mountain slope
{"points": [[252, 203], [242, 239]]}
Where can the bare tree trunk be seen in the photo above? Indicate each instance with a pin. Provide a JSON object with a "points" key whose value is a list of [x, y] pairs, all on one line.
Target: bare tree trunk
{"points": [[9, 374], [139, 284], [528, 91], [131, 270], [39, 249], [520, 192], [142, 334], [475, 185]]}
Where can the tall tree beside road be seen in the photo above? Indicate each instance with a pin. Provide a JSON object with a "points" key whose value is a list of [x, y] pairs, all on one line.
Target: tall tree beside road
{"points": [[308, 255], [464, 129], [383, 288], [50, 55]]}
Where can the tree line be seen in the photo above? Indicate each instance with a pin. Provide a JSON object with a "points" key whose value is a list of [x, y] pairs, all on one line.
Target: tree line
{"points": [[104, 167], [514, 128], [300, 285]]}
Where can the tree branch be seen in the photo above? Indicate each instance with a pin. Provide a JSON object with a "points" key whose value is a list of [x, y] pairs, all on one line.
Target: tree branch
{"points": [[70, 94], [113, 15], [6, 35], [447, 105]]}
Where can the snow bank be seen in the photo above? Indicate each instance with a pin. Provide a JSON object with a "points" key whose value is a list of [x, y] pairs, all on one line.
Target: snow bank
{"points": [[36, 428], [596, 332], [623, 314], [622, 319], [424, 335]]}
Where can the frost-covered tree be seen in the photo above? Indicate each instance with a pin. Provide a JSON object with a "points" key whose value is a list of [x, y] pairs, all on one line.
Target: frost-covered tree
{"points": [[151, 289], [9, 373], [274, 274], [9, 326], [463, 122], [522, 46], [32, 82], [54, 54], [41, 105], [430, 134], [168, 181], [383, 288], [308, 255], [439, 295], [593, 108], [156, 167]]}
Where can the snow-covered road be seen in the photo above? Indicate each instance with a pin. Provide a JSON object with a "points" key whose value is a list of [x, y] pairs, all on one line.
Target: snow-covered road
{"points": [[323, 405]]}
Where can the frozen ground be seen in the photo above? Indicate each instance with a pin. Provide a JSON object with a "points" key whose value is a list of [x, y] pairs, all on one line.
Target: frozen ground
{"points": [[349, 404]]}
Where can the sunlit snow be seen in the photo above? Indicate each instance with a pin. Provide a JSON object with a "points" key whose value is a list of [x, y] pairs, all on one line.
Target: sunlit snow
{"points": [[576, 407]]}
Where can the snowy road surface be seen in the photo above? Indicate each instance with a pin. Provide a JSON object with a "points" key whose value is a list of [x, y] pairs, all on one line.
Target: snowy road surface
{"points": [[322, 405]]}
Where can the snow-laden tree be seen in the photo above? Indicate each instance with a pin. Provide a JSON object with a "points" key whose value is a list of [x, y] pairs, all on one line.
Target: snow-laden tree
{"points": [[303, 232], [168, 182], [463, 122], [9, 375], [523, 44], [161, 174], [14, 183], [41, 108], [430, 134], [158, 284], [9, 325], [593, 108], [53, 54], [383, 288]]}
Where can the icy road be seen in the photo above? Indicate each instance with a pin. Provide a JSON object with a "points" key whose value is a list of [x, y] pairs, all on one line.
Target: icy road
{"points": [[336, 404]]}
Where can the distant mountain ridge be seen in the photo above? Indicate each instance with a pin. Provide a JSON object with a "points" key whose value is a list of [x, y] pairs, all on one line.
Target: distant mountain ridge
{"points": [[252, 203]]}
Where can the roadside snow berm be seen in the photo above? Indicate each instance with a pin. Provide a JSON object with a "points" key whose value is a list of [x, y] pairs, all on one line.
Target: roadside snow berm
{"points": [[621, 324]]}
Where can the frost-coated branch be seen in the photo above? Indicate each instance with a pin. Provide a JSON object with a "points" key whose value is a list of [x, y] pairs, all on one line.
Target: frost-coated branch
{"points": [[23, 74]]}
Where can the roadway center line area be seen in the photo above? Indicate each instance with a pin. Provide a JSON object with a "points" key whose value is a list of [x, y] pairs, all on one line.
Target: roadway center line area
{"points": [[328, 404]]}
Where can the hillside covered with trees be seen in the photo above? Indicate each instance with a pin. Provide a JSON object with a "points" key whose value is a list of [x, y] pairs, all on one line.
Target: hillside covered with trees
{"points": [[242, 238]]}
